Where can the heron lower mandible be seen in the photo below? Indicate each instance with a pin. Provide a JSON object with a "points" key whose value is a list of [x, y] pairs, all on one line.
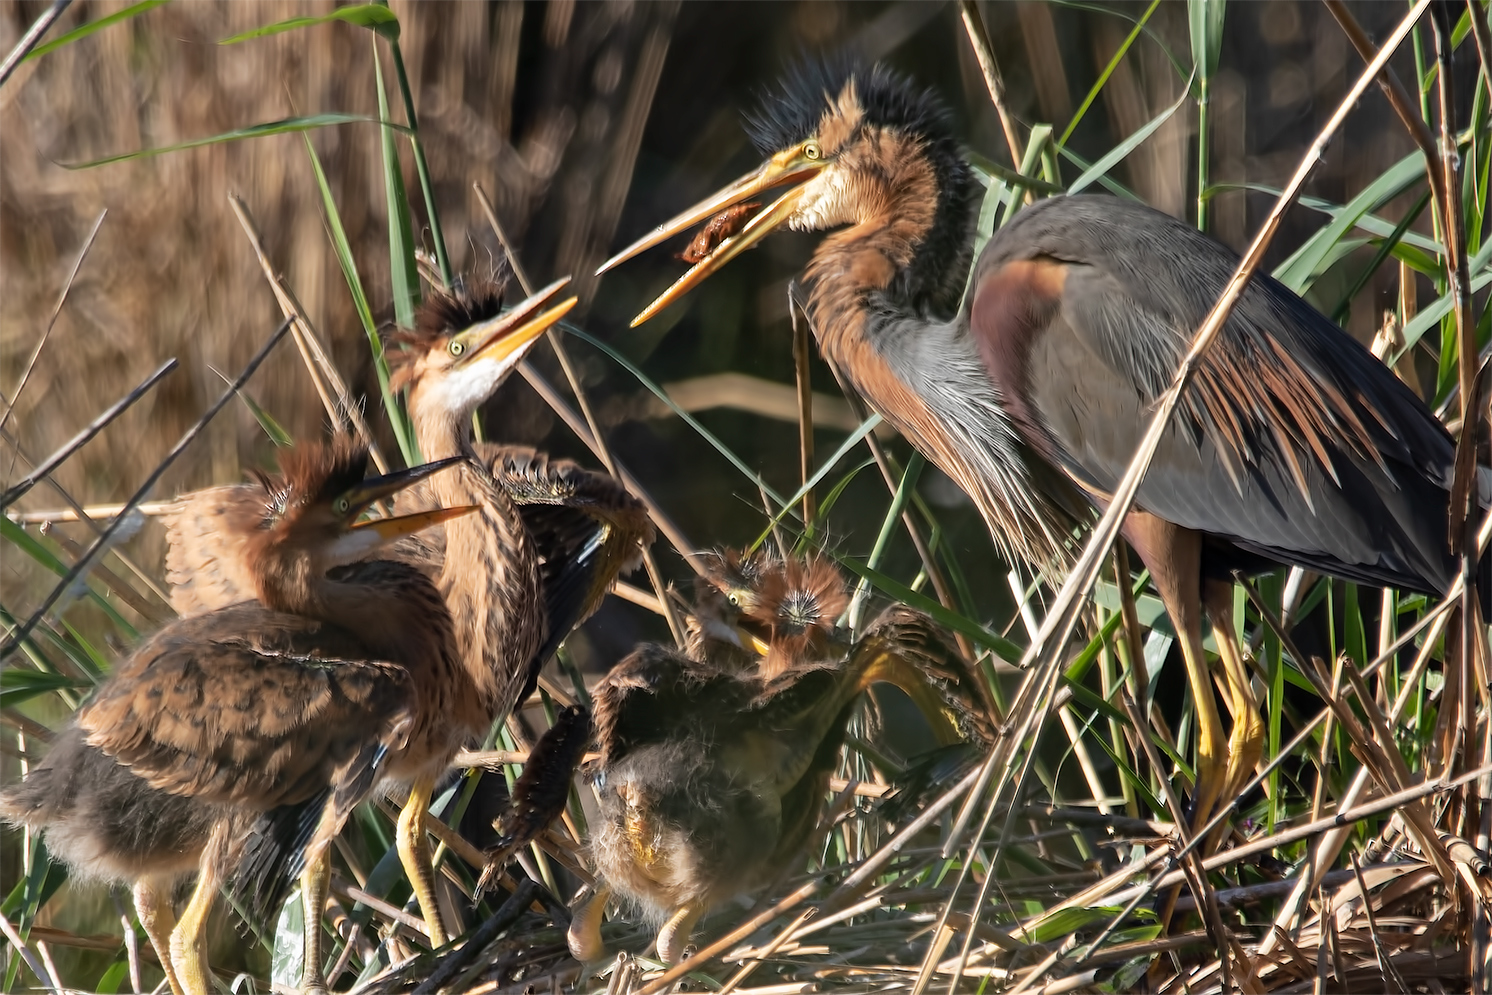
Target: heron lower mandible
{"points": [[260, 717], [1293, 446]]}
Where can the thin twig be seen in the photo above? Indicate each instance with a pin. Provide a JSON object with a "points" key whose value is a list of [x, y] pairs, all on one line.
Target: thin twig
{"points": [[78, 441], [19, 946], [46, 334], [31, 37], [14, 639], [601, 449], [979, 40]]}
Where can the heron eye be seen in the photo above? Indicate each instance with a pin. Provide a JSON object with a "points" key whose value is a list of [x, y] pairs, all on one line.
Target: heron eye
{"points": [[733, 599], [457, 347], [342, 506], [812, 151]]}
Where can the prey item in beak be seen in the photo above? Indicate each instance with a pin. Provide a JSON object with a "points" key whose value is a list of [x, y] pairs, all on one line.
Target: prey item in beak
{"points": [[506, 336], [795, 165]]}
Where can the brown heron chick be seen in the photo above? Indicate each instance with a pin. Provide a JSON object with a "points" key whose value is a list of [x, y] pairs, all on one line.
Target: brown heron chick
{"points": [[711, 778], [239, 718], [1293, 446]]}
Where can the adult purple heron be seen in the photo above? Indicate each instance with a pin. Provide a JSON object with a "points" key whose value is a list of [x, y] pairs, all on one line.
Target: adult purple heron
{"points": [[268, 717], [1294, 445]]}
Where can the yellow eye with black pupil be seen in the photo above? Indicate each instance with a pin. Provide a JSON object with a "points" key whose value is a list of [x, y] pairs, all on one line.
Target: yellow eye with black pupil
{"points": [[457, 347], [811, 151]]}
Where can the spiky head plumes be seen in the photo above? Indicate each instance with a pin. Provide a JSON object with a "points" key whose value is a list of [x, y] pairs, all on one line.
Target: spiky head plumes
{"points": [[800, 602], [889, 146], [738, 574], [438, 361]]}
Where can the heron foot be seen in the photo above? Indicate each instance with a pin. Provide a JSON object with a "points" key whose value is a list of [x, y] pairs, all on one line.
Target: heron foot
{"points": [[158, 919], [584, 934], [674, 936], [414, 854], [314, 883]]}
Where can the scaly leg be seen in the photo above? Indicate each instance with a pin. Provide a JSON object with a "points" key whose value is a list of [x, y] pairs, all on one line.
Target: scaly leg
{"points": [[315, 880], [153, 906], [188, 942], [674, 936], [1246, 745], [1174, 556], [414, 854], [584, 934]]}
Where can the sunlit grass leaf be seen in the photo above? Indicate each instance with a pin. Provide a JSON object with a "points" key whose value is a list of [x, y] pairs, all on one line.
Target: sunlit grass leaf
{"points": [[373, 16], [34, 548], [788, 507], [18, 684], [1205, 21], [272, 428], [1108, 71], [1313, 258], [403, 272], [398, 420], [284, 126], [1115, 155], [84, 30]]}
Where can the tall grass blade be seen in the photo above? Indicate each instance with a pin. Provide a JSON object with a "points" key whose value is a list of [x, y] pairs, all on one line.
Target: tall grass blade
{"points": [[403, 272], [398, 420], [1205, 20], [1115, 155], [284, 126], [84, 30], [373, 16]]}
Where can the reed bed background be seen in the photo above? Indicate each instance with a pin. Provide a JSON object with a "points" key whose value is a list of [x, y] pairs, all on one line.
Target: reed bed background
{"points": [[1366, 844]]}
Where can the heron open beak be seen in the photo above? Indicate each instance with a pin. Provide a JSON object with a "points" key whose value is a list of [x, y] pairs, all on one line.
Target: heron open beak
{"points": [[796, 165], [504, 338], [359, 498], [393, 529]]}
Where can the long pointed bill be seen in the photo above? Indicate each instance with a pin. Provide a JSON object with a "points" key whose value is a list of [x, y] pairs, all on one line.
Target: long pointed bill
{"points": [[392, 529], [759, 227], [374, 489], [788, 166], [506, 337]]}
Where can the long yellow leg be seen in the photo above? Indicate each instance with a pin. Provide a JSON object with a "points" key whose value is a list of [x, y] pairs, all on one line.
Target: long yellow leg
{"points": [[153, 906], [188, 942], [1246, 744], [674, 936], [584, 934], [314, 883], [414, 854]]}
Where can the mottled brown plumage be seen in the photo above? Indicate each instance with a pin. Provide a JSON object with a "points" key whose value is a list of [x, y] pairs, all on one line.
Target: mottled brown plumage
{"points": [[712, 774], [236, 720]]}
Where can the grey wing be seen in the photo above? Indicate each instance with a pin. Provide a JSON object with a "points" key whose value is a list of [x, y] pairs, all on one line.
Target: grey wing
{"points": [[1294, 443]]}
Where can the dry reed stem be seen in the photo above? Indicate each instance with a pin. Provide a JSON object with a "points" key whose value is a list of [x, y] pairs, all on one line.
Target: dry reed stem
{"points": [[67, 286], [602, 450]]}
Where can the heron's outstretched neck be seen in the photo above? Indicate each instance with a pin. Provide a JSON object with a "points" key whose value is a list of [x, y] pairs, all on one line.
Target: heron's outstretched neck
{"points": [[906, 252], [490, 578]]}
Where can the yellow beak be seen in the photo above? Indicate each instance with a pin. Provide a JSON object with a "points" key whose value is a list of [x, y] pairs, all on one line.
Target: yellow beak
{"points": [[392, 529], [513, 331], [791, 166]]}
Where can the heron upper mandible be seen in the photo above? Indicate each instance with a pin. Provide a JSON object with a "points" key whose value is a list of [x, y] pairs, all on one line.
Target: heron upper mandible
{"points": [[259, 716], [1294, 445]]}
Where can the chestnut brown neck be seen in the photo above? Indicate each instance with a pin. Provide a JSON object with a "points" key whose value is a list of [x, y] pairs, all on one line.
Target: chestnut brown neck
{"points": [[490, 577]]}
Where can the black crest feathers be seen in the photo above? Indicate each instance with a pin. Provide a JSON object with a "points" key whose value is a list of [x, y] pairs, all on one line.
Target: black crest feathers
{"points": [[443, 313], [316, 472], [791, 112]]}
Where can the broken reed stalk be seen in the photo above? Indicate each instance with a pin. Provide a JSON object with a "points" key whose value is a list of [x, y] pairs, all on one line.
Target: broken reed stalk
{"points": [[14, 639], [330, 387]]}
